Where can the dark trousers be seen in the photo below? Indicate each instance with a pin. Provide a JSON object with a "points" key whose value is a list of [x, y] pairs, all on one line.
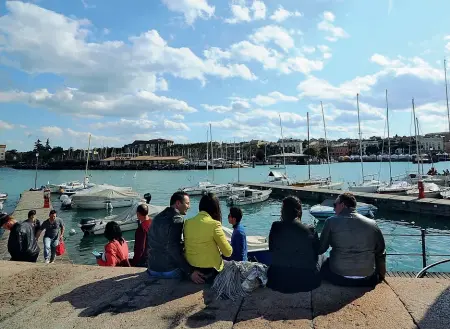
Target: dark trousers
{"points": [[208, 273], [339, 280], [27, 258]]}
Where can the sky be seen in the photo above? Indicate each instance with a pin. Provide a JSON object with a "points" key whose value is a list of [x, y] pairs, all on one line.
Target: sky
{"points": [[141, 69]]}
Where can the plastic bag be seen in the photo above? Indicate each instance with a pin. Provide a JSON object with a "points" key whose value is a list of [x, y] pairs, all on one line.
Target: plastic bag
{"points": [[60, 248]]}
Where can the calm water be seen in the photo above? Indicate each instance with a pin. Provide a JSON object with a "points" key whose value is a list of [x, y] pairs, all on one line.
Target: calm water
{"points": [[257, 218]]}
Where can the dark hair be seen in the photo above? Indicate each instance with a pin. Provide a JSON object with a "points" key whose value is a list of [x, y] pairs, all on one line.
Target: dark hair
{"points": [[32, 213], [113, 231], [291, 209], [348, 199], [177, 196], [4, 218], [236, 213], [210, 203], [142, 209], [53, 211]]}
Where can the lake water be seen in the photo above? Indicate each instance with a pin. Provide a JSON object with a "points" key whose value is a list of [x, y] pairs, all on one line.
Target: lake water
{"points": [[257, 218]]}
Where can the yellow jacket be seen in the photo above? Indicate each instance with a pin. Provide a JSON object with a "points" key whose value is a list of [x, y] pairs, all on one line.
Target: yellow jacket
{"points": [[203, 238]]}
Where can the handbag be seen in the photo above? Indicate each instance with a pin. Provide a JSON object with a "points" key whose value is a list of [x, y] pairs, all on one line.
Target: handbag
{"points": [[60, 248]]}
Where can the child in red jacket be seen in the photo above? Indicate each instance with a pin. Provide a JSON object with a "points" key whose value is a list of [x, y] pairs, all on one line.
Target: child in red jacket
{"points": [[116, 250]]}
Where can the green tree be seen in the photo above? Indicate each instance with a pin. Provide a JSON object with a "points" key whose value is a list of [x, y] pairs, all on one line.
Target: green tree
{"points": [[312, 152], [47, 145], [323, 153], [259, 155], [38, 146], [372, 149]]}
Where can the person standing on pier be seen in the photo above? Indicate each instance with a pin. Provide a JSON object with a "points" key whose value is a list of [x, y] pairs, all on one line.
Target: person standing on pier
{"points": [[54, 233], [238, 238], [35, 223], [140, 237], [165, 243], [358, 254], [22, 244]]}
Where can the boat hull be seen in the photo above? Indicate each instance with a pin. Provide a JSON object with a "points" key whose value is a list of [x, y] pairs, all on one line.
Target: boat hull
{"points": [[104, 204]]}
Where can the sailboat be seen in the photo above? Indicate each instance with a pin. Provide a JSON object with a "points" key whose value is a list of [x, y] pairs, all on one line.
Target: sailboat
{"points": [[369, 184], [395, 186], [275, 177], [328, 182]]}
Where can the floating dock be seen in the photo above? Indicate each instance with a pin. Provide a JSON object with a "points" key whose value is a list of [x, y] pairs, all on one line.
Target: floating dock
{"points": [[30, 200], [388, 202]]}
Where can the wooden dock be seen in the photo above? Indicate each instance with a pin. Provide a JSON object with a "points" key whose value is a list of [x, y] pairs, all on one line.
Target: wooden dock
{"points": [[30, 200], [390, 202]]}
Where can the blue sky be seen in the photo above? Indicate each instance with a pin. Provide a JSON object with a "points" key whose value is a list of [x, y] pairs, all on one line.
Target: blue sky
{"points": [[168, 68]]}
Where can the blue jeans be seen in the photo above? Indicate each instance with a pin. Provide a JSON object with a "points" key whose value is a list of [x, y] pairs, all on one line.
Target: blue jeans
{"points": [[175, 274], [50, 248]]}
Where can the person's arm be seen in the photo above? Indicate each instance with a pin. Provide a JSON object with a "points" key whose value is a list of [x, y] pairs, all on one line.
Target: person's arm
{"points": [[139, 246], [325, 237], [316, 241], [380, 255], [176, 253], [237, 243], [221, 240], [61, 225], [272, 236], [109, 257], [38, 233]]}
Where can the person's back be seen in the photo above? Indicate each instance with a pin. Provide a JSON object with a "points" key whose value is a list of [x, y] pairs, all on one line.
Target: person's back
{"points": [[294, 248], [353, 239], [238, 238], [22, 244], [116, 250], [140, 257]]}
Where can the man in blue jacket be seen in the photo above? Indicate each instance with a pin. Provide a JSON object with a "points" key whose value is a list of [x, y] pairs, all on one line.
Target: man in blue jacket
{"points": [[238, 238]]}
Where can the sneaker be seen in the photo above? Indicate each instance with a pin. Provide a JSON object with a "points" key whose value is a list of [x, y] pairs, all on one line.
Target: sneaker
{"points": [[47, 261], [52, 261]]}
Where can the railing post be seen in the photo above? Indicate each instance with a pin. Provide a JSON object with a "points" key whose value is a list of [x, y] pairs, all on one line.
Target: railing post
{"points": [[424, 255]]}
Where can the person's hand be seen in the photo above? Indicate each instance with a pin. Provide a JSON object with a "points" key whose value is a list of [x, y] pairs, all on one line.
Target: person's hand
{"points": [[197, 277]]}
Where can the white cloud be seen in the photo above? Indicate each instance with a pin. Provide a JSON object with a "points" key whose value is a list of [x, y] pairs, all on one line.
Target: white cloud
{"points": [[191, 9], [235, 105], [324, 48], [246, 13], [327, 55], [333, 32], [72, 101], [275, 34], [86, 5], [52, 131], [273, 98], [282, 14], [178, 117], [309, 49], [5, 125]]}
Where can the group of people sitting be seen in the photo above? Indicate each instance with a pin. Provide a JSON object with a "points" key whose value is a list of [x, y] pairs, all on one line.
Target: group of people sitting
{"points": [[171, 247], [23, 236]]}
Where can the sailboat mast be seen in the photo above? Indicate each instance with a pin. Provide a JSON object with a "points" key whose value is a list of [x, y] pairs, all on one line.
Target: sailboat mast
{"points": [[326, 141], [360, 139], [282, 143], [212, 151], [417, 142], [446, 93], [87, 160], [389, 139], [207, 154], [309, 162]]}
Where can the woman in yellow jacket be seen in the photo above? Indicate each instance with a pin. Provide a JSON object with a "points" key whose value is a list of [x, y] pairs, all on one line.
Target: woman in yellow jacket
{"points": [[204, 239]]}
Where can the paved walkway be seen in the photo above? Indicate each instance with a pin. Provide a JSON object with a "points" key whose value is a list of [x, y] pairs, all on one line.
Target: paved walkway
{"points": [[30, 200], [76, 296]]}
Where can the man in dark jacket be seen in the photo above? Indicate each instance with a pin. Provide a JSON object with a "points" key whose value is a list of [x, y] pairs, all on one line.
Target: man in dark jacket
{"points": [[164, 242], [358, 255], [22, 244]]}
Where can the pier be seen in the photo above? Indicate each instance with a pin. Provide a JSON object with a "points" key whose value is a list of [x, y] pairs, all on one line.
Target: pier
{"points": [[76, 296], [30, 200], [384, 202]]}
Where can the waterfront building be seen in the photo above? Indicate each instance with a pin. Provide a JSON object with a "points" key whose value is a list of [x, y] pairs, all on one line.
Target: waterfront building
{"points": [[2, 152], [152, 147], [291, 158], [339, 150], [127, 160], [291, 145], [431, 143]]}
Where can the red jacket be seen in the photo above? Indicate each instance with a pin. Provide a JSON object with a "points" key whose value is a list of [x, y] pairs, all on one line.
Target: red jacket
{"points": [[140, 243], [116, 254]]}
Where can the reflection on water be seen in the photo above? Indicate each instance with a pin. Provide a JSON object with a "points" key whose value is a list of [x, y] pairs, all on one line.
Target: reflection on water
{"points": [[257, 219]]}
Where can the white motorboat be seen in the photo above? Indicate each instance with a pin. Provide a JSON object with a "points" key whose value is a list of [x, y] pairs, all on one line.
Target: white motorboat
{"points": [[254, 243], [278, 178], [445, 194], [196, 189], [127, 220], [396, 187], [207, 187], [73, 185], [431, 190], [250, 196], [105, 197], [3, 196], [228, 191], [326, 209], [329, 185], [413, 178]]}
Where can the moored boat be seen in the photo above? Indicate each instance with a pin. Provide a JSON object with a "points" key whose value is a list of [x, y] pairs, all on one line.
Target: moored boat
{"points": [[105, 197], [250, 196], [326, 209]]}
